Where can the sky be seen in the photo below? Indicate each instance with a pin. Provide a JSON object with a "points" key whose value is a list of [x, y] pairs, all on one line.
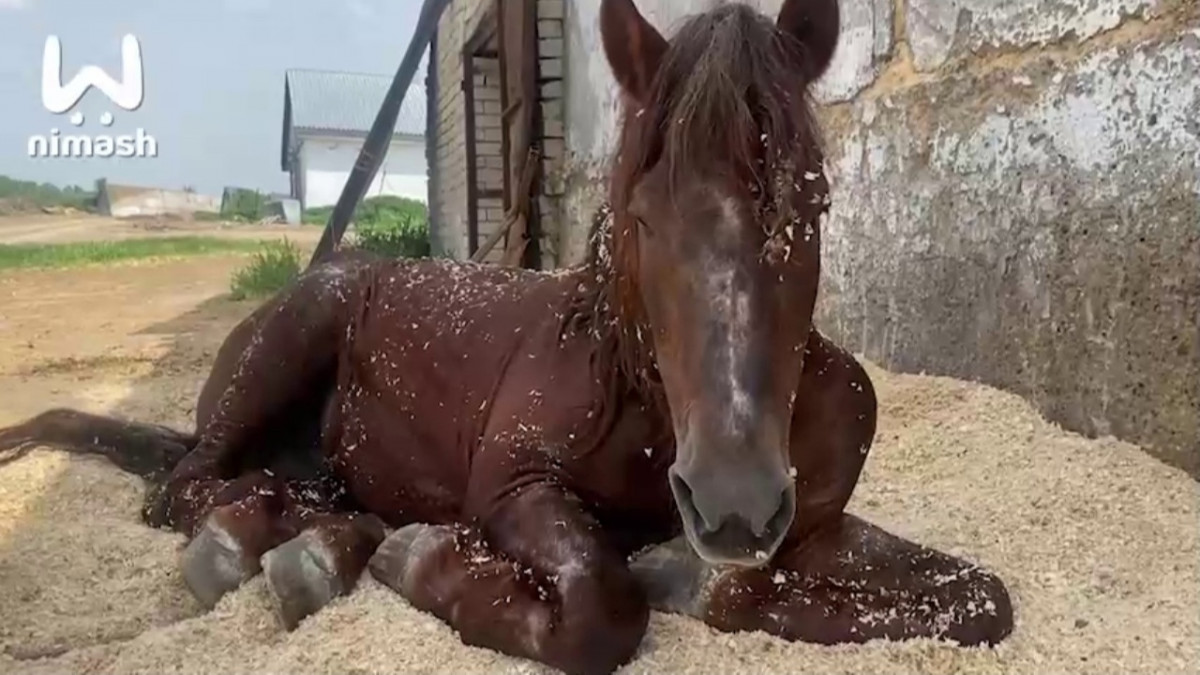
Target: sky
{"points": [[213, 80]]}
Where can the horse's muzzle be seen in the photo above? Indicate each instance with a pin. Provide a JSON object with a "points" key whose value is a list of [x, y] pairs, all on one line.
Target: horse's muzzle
{"points": [[742, 527]]}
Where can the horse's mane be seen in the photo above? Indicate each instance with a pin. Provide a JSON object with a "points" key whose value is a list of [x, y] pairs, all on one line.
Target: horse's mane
{"points": [[730, 96]]}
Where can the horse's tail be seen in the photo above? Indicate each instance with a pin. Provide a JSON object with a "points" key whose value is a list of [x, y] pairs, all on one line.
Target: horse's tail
{"points": [[147, 450]]}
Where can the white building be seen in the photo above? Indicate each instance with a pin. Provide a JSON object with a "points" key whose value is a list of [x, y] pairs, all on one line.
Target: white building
{"points": [[326, 118]]}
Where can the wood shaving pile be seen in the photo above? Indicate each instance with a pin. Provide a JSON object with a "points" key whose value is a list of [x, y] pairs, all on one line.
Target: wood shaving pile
{"points": [[1097, 541]]}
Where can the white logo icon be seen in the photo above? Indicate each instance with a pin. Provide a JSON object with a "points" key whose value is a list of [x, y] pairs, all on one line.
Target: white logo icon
{"points": [[59, 98]]}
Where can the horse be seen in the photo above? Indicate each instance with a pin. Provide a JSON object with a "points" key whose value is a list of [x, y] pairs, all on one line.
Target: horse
{"points": [[540, 458]]}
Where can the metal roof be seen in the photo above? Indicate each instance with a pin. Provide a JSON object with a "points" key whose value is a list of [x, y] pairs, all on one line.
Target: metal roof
{"points": [[336, 103]]}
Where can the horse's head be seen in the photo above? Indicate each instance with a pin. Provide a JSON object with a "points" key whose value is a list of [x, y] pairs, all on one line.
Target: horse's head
{"points": [[716, 196]]}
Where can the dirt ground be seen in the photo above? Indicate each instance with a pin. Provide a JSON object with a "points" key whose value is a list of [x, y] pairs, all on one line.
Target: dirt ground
{"points": [[1097, 541], [56, 229]]}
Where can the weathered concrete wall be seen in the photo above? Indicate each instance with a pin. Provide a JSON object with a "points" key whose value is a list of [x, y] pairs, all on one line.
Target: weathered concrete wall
{"points": [[1016, 197], [128, 201]]}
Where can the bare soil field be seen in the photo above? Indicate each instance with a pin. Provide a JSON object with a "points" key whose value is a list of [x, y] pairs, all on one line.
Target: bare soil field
{"points": [[1097, 541], [58, 229]]}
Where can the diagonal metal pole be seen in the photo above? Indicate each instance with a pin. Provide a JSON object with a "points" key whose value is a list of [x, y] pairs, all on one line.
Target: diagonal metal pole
{"points": [[370, 157]]}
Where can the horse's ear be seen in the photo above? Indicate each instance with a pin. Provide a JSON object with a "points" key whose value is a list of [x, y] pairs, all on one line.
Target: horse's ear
{"points": [[815, 24], [634, 48]]}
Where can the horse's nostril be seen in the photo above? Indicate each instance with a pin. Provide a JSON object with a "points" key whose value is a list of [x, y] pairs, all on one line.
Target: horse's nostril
{"points": [[685, 501], [754, 511], [782, 519]]}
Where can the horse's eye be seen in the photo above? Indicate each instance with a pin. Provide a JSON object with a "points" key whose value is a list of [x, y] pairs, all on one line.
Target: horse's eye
{"points": [[644, 227]]}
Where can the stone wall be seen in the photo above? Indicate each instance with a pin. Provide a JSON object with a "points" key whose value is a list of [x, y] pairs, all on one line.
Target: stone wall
{"points": [[1016, 197]]}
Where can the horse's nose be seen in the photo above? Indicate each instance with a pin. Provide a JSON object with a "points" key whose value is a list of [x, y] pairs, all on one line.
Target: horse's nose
{"points": [[737, 516]]}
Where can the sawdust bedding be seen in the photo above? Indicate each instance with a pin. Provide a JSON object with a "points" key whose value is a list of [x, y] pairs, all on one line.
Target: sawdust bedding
{"points": [[1097, 541]]}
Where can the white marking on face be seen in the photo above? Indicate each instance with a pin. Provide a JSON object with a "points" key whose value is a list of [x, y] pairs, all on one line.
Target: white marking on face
{"points": [[731, 311]]}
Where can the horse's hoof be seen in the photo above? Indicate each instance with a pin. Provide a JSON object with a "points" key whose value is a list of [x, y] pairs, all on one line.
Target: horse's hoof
{"points": [[302, 578], [391, 561], [675, 579], [214, 564]]}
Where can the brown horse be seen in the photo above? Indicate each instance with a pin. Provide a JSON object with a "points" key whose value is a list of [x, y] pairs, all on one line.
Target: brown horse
{"points": [[529, 434]]}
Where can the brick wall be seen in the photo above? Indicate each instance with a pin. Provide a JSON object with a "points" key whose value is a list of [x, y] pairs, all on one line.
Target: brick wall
{"points": [[451, 203], [489, 161], [552, 129]]}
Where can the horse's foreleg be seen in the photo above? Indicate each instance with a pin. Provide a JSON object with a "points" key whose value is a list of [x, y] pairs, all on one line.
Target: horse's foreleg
{"points": [[836, 578], [224, 552], [848, 583], [833, 425], [324, 562], [545, 586], [854, 582], [310, 556]]}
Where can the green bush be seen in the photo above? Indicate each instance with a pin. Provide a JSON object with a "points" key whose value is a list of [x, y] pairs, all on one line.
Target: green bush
{"points": [[241, 205], [46, 195], [317, 216], [274, 266], [395, 227]]}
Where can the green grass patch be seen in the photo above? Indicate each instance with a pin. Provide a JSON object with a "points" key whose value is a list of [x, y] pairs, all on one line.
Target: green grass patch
{"points": [[73, 254], [317, 216], [207, 217], [274, 266]]}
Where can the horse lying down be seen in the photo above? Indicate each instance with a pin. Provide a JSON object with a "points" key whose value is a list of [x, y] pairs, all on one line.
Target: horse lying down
{"points": [[541, 458]]}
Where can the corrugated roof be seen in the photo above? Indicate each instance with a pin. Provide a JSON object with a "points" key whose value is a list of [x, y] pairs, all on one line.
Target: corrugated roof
{"points": [[345, 103], [348, 102]]}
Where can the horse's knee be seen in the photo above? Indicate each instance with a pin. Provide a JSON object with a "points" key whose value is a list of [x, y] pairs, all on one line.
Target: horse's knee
{"points": [[604, 619]]}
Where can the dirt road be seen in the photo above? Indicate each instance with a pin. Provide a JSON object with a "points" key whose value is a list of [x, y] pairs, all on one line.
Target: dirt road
{"points": [[83, 337], [56, 229]]}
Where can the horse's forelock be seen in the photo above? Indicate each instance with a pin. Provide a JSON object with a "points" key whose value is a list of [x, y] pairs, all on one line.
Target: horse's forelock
{"points": [[730, 97]]}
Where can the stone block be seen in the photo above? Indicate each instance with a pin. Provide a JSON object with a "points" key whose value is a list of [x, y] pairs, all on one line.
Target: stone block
{"points": [[552, 110], [550, 9], [551, 69], [554, 148], [487, 148], [551, 48]]}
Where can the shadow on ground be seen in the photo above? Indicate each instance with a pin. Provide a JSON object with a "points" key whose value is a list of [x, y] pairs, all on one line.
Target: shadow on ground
{"points": [[129, 583]]}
